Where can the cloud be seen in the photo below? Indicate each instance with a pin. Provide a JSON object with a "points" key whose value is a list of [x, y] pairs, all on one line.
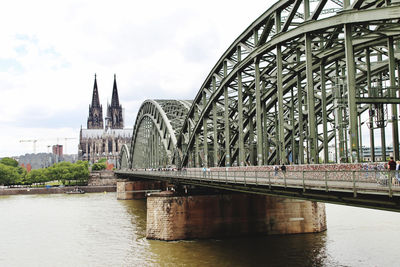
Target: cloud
{"points": [[158, 49], [45, 137]]}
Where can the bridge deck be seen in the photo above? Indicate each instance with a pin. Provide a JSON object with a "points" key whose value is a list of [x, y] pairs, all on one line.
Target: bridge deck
{"points": [[372, 189]]}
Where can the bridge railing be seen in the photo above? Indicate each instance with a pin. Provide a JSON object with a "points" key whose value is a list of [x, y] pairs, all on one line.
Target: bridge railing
{"points": [[371, 181]]}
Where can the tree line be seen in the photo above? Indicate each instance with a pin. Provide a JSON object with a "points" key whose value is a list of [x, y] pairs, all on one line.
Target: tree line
{"points": [[64, 172]]}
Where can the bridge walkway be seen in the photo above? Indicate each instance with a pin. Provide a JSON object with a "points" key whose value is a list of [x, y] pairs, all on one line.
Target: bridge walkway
{"points": [[371, 189]]}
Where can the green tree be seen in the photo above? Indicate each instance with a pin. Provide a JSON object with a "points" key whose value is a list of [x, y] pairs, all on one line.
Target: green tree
{"points": [[60, 171], [103, 160], [8, 175], [22, 175], [38, 176], [80, 171], [9, 162], [99, 166]]}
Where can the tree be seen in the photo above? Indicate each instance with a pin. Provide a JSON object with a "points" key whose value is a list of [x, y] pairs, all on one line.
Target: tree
{"points": [[37, 176], [99, 166], [66, 172], [63, 171], [60, 171], [8, 175], [9, 162], [80, 171], [102, 160]]}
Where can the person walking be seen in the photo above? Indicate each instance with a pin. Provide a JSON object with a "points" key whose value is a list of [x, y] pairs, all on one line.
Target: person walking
{"points": [[392, 169], [276, 169], [283, 168]]}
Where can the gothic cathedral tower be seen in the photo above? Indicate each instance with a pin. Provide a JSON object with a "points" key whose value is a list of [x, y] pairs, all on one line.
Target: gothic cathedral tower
{"points": [[95, 119], [114, 118]]}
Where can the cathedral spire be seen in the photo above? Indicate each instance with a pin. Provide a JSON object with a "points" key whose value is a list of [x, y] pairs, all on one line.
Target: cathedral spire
{"points": [[95, 119], [114, 111], [95, 97], [115, 99]]}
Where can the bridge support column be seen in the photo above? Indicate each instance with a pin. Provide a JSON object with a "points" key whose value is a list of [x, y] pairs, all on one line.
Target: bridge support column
{"points": [[172, 217], [126, 189]]}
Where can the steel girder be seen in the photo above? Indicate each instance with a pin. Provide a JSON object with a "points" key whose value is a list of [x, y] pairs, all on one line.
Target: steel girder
{"points": [[154, 143], [124, 157], [296, 82], [302, 81]]}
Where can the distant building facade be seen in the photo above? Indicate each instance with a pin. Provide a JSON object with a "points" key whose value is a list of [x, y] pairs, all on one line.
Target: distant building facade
{"points": [[97, 142], [367, 155], [58, 150], [43, 160]]}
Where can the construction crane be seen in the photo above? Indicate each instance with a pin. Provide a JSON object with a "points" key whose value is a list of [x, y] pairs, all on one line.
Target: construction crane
{"points": [[34, 141]]}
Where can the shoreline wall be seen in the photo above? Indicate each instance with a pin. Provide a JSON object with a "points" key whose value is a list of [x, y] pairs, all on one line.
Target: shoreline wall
{"points": [[102, 178], [54, 190]]}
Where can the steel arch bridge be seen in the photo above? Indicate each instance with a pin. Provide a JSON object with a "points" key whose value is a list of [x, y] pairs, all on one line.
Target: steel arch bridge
{"points": [[302, 81]]}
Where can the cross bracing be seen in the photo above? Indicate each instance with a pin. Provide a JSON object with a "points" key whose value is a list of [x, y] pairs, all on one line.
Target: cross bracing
{"points": [[303, 77], [154, 140]]}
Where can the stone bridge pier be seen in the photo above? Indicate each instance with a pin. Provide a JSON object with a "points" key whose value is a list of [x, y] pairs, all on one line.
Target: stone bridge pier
{"points": [[209, 214], [174, 217], [128, 190]]}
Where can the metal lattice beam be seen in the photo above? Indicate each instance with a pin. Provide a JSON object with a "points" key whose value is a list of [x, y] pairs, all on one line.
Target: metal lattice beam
{"points": [[299, 80]]}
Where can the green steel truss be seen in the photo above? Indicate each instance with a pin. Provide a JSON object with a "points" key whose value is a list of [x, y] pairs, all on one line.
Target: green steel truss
{"points": [[154, 142], [302, 81], [124, 157]]}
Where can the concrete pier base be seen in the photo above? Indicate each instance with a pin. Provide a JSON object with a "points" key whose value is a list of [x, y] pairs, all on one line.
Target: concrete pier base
{"points": [[171, 217], [126, 189]]}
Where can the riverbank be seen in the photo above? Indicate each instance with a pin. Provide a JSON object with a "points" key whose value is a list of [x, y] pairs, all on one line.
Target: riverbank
{"points": [[55, 190]]}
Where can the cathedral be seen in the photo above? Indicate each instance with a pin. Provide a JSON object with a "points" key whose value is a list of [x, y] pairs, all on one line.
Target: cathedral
{"points": [[104, 139]]}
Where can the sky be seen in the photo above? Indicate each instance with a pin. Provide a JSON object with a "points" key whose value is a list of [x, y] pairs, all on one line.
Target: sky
{"points": [[50, 51]]}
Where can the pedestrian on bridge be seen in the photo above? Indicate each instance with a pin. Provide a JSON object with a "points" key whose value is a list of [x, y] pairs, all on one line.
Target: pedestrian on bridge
{"points": [[392, 169], [398, 172], [392, 164], [276, 169], [283, 168]]}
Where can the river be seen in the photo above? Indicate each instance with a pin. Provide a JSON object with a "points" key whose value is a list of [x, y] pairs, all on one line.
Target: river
{"points": [[98, 230]]}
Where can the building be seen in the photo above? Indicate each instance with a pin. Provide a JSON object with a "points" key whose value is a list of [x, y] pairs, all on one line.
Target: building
{"points": [[58, 153], [366, 154], [97, 142], [58, 150]]}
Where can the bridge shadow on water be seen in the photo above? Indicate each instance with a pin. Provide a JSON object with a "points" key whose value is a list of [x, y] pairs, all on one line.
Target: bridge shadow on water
{"points": [[262, 250], [278, 250]]}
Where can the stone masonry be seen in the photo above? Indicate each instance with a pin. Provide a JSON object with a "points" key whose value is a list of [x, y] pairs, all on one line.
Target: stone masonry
{"points": [[171, 217], [125, 189], [102, 178]]}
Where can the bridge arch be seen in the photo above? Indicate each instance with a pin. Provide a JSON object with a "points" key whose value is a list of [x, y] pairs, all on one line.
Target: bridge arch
{"points": [[154, 135], [299, 85], [298, 80], [124, 157]]}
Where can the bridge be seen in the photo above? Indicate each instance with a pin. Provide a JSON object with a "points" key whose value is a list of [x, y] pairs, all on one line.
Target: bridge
{"points": [[305, 84], [378, 189]]}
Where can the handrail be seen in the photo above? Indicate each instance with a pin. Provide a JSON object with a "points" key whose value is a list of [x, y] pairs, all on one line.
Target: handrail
{"points": [[355, 181]]}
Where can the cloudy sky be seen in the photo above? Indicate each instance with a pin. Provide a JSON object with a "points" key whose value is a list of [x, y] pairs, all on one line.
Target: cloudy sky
{"points": [[50, 51]]}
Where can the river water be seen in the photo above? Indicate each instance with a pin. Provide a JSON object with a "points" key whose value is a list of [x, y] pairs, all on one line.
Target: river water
{"points": [[98, 230]]}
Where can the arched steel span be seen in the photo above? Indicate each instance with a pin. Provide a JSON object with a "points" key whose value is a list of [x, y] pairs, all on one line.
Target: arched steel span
{"points": [[297, 80], [124, 157], [154, 142], [307, 75]]}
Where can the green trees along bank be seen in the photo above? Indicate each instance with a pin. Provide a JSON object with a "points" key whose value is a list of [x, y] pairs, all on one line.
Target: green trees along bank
{"points": [[100, 165], [10, 172], [64, 172]]}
